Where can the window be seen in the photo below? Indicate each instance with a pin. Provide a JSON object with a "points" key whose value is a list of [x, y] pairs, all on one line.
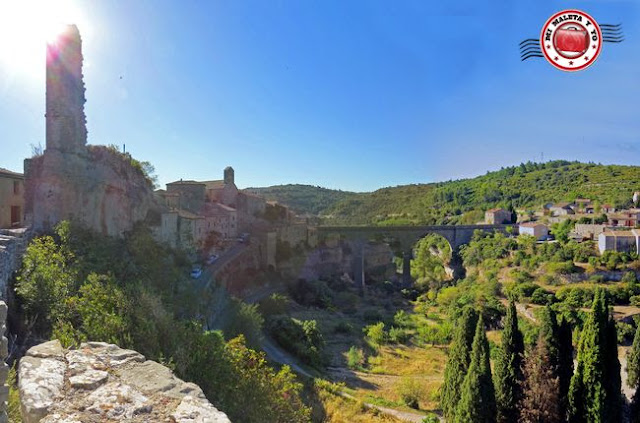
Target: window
{"points": [[16, 187]]}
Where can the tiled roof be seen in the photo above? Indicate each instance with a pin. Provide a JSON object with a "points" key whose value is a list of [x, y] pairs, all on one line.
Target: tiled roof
{"points": [[214, 184], [7, 172], [188, 215], [189, 182], [496, 210], [561, 205], [532, 224], [620, 234]]}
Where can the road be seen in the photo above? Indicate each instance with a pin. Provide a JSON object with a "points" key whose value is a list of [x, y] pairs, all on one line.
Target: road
{"points": [[209, 272]]}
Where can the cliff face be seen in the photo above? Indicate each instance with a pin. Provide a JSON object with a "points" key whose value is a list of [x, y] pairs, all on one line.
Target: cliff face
{"points": [[100, 382], [96, 187]]}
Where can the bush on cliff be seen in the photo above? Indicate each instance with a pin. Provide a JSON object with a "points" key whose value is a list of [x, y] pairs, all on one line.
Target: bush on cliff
{"points": [[76, 285]]}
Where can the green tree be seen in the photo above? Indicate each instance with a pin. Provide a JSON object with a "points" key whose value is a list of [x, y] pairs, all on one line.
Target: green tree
{"points": [[561, 230], [508, 369], [431, 254], [611, 374], [633, 362], [588, 390], [541, 401], [477, 398], [565, 362], [100, 312], [458, 361], [45, 281]]}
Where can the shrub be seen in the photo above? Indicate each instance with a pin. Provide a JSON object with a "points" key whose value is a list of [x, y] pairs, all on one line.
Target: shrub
{"points": [[402, 319], [274, 304], [375, 333], [343, 327], [317, 293], [371, 316], [301, 338], [548, 279], [398, 335], [561, 268], [629, 278], [244, 319], [541, 297], [524, 290], [635, 300], [410, 391], [625, 332], [434, 334], [355, 358]]}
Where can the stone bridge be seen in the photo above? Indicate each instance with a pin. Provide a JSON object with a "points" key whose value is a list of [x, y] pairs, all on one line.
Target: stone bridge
{"points": [[404, 238]]}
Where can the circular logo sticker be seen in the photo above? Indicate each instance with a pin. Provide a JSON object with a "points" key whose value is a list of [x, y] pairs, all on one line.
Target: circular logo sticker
{"points": [[571, 40]]}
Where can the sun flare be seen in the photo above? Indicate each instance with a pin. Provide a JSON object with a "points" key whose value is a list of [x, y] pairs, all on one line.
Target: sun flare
{"points": [[26, 26]]}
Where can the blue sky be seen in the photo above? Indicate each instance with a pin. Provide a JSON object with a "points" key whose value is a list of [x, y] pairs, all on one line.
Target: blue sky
{"points": [[354, 95]]}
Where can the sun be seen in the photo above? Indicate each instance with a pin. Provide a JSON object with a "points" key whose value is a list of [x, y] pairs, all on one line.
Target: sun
{"points": [[26, 26]]}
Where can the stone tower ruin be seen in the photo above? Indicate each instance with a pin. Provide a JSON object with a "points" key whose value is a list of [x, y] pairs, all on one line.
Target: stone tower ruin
{"points": [[93, 185], [229, 175], [66, 129]]}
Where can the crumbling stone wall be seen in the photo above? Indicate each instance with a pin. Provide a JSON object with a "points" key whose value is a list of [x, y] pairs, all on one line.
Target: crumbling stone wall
{"points": [[13, 243], [4, 368]]}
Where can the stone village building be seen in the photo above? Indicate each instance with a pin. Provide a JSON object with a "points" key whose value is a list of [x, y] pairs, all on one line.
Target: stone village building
{"points": [[497, 216], [11, 199]]}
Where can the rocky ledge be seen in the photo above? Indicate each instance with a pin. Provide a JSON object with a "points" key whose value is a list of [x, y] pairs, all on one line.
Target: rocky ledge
{"points": [[101, 382]]}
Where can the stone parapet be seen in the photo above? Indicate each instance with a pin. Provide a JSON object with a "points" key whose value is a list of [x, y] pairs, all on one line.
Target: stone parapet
{"points": [[101, 382]]}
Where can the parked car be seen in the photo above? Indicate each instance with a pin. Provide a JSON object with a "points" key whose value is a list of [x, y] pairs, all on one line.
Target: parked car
{"points": [[212, 259], [196, 272]]}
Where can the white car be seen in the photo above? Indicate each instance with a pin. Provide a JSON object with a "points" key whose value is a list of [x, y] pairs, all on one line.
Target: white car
{"points": [[196, 272], [212, 259]]}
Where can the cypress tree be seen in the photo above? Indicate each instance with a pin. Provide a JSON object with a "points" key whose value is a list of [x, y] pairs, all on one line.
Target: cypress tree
{"points": [[633, 376], [611, 373], [458, 361], [558, 336], [634, 408], [541, 402], [633, 361], [508, 377], [587, 393], [477, 398], [565, 362]]}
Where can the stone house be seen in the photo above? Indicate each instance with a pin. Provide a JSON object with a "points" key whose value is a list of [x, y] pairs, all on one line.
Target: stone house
{"points": [[221, 219], [190, 195], [11, 199], [497, 216], [536, 229], [588, 230], [623, 241], [561, 209], [627, 218], [607, 208], [191, 229], [581, 205]]}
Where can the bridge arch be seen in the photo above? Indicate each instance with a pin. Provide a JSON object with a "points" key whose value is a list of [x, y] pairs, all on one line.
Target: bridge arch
{"points": [[407, 236]]}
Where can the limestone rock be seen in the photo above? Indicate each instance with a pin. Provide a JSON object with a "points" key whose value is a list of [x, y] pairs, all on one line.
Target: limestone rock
{"points": [[101, 382], [41, 380]]}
